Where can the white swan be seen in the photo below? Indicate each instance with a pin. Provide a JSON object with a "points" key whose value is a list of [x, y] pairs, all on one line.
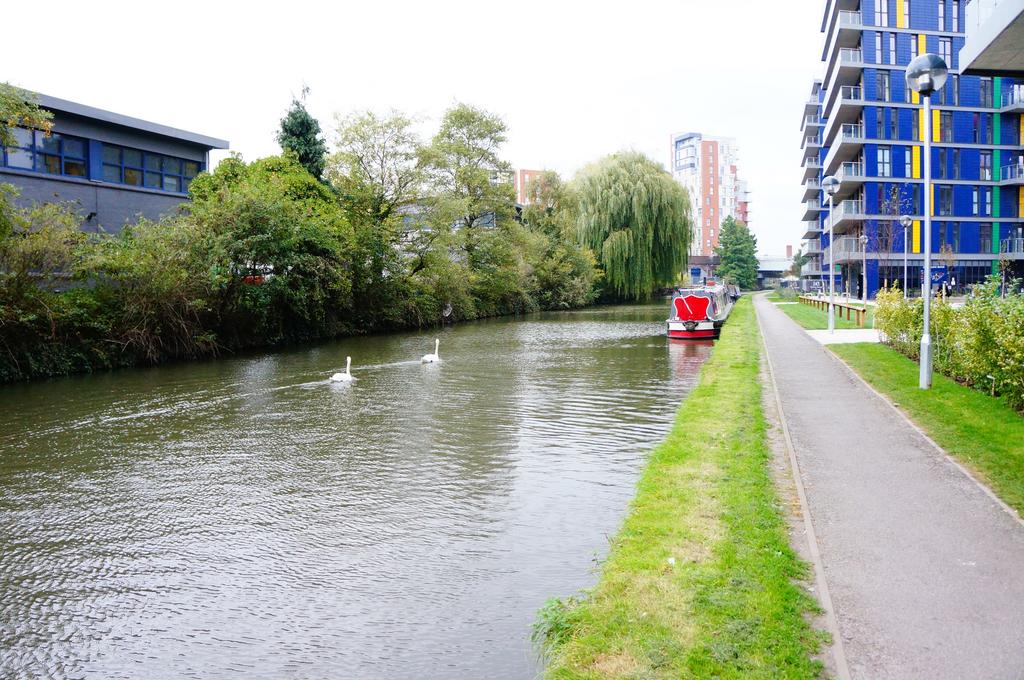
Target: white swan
{"points": [[432, 358], [347, 375]]}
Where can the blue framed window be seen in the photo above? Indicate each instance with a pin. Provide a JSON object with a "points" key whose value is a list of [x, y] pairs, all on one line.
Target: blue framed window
{"points": [[53, 154], [122, 165]]}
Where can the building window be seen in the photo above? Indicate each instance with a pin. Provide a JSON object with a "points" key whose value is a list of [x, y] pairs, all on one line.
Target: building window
{"points": [[53, 154], [915, 125], [151, 170], [988, 201], [881, 12], [894, 132], [892, 48], [913, 45], [956, 15], [953, 91], [985, 172], [882, 86], [906, 15], [945, 200], [956, 163], [986, 93], [946, 126], [885, 161], [946, 50], [878, 48], [908, 161], [941, 166], [942, 17], [879, 123], [985, 236], [986, 128], [974, 201]]}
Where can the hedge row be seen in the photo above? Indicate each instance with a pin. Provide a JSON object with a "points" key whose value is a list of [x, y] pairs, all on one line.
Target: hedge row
{"points": [[980, 344]]}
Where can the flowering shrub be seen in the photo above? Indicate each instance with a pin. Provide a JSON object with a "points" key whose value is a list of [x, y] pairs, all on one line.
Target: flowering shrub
{"points": [[980, 344]]}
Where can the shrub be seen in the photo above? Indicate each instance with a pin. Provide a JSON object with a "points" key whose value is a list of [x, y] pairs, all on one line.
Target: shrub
{"points": [[980, 344]]}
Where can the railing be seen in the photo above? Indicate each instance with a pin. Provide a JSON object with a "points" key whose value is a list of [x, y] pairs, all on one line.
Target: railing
{"points": [[855, 314], [852, 131], [813, 247], [812, 183], [811, 269], [851, 93], [812, 162], [813, 204], [812, 119], [850, 206], [850, 18], [812, 140], [851, 55], [1012, 246], [1014, 96], [850, 169], [1012, 171]]}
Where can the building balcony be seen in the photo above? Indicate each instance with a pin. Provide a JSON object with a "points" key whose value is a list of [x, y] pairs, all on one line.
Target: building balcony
{"points": [[847, 249], [845, 31], [812, 123], [847, 146], [844, 68], [811, 146], [812, 229], [848, 213], [995, 32], [845, 105], [811, 188], [1012, 175], [812, 209], [813, 247], [1013, 99], [811, 166], [1012, 248]]}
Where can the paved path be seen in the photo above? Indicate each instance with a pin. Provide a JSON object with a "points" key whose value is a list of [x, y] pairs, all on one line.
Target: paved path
{"points": [[926, 570]]}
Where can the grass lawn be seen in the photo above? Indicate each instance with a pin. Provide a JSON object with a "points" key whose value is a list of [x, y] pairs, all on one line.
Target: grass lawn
{"points": [[978, 430], [700, 579], [812, 318]]}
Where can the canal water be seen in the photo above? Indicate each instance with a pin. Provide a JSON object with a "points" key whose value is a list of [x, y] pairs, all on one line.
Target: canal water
{"points": [[247, 518]]}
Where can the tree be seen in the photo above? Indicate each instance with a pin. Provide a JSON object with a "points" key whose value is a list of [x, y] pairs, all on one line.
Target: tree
{"points": [[472, 184], [799, 260], [300, 135], [378, 174], [20, 108], [636, 219], [737, 253]]}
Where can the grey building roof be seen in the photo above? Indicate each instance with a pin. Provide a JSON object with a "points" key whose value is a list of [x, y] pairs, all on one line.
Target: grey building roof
{"points": [[64, 106]]}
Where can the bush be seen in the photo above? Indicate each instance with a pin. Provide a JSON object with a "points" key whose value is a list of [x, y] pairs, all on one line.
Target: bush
{"points": [[980, 344]]}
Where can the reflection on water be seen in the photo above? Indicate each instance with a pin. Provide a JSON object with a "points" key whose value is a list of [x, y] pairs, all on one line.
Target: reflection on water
{"points": [[247, 518]]}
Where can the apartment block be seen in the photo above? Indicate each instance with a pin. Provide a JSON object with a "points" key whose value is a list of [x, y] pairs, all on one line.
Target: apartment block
{"points": [[708, 167], [862, 125]]}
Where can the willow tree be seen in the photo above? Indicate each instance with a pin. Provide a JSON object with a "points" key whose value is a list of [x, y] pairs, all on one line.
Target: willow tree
{"points": [[636, 218]]}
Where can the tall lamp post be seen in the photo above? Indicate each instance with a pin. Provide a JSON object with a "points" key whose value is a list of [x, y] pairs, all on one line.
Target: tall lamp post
{"points": [[864, 267], [906, 221], [831, 185], [926, 75]]}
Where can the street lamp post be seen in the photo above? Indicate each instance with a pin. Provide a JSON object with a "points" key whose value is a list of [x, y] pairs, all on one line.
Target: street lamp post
{"points": [[864, 267], [926, 75], [906, 221], [831, 185]]}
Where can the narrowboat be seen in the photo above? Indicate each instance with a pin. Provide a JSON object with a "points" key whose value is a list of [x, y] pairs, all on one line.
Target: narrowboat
{"points": [[698, 312]]}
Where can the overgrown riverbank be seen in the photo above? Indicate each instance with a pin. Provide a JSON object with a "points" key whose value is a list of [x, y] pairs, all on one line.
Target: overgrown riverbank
{"points": [[700, 580]]}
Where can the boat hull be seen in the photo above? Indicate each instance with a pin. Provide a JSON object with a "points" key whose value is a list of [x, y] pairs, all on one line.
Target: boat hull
{"points": [[704, 330]]}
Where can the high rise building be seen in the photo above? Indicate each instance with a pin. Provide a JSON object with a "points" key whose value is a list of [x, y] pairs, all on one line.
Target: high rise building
{"points": [[864, 126], [522, 181], [707, 167]]}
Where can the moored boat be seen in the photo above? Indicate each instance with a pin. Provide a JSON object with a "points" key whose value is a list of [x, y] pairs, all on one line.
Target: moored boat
{"points": [[698, 312]]}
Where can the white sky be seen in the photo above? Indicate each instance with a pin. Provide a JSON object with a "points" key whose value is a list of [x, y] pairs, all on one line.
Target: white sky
{"points": [[573, 80]]}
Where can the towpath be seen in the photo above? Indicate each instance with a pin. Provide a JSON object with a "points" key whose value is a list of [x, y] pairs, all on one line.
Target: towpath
{"points": [[924, 568]]}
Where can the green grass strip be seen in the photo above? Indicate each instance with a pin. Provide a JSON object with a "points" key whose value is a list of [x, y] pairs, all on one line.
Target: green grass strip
{"points": [[700, 581], [978, 430], [812, 318]]}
